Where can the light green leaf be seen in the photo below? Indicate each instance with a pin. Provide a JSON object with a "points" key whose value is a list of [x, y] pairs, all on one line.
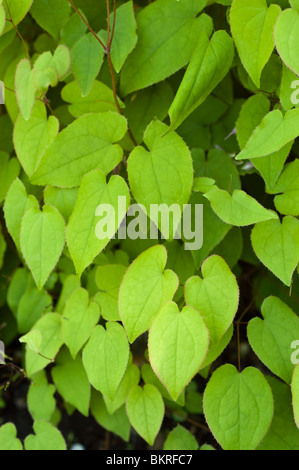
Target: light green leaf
{"points": [[295, 394], [240, 209], [2, 18], [209, 64], [42, 240], [71, 381], [9, 170], [108, 280], [32, 305], [16, 205], [40, 400], [15, 10], [105, 358], [129, 380], [70, 284], [51, 15], [85, 145], [87, 58], [8, 439], [215, 296], [144, 289], [180, 439], [32, 137], [277, 246], [273, 133], [283, 433], [271, 338], [49, 327], [86, 234], [149, 377], [163, 175], [252, 24], [25, 88], [173, 362], [166, 28], [78, 320], [49, 69], [33, 339], [63, 199], [238, 407], [217, 348], [46, 437], [145, 409], [288, 184], [285, 33]]}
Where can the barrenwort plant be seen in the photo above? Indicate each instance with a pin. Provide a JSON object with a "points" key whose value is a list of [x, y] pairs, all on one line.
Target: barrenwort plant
{"points": [[135, 341]]}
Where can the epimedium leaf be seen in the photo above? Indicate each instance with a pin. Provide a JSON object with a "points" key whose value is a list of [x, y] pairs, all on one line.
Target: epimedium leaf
{"points": [[33, 339], [86, 144], [145, 409], [32, 305], [252, 24], [282, 239], [71, 381], [149, 377], [87, 58], [8, 437], [78, 320], [238, 407], [173, 362], [295, 394], [42, 240], [271, 338], [288, 184], [83, 235], [51, 15], [40, 399], [162, 175], [9, 170], [286, 30], [166, 28], [209, 64], [216, 349], [144, 289], [15, 10], [180, 439], [215, 296], [49, 69], [129, 380], [108, 279], [17, 202], [274, 132], [105, 358], [63, 199], [25, 88], [46, 437], [238, 209], [33, 136], [50, 330]]}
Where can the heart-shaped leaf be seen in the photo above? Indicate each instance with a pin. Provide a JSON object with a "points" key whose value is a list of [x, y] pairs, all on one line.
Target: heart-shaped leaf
{"points": [[46, 437], [25, 88], [285, 35]]}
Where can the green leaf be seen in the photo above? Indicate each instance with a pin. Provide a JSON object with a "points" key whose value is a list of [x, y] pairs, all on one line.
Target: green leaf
{"points": [[78, 320], [118, 422], [87, 58], [46, 437], [145, 288], [105, 358], [286, 31], [273, 133], [51, 15], [215, 296], [17, 203], [288, 184], [32, 305], [180, 439], [252, 24], [163, 175], [42, 232], [85, 145], [129, 380], [283, 433], [2, 18], [71, 381], [40, 399], [9, 170], [295, 394], [166, 28], [63, 199], [49, 69], [173, 362], [282, 240], [149, 377], [49, 327], [271, 338], [33, 339], [32, 137], [209, 64], [25, 88], [252, 112], [86, 235], [125, 36], [108, 280], [145, 409], [8, 439], [16, 11], [238, 407], [240, 209]]}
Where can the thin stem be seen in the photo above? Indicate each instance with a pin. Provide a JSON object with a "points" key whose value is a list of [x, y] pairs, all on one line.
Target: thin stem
{"points": [[108, 28], [114, 21], [17, 31], [86, 23]]}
